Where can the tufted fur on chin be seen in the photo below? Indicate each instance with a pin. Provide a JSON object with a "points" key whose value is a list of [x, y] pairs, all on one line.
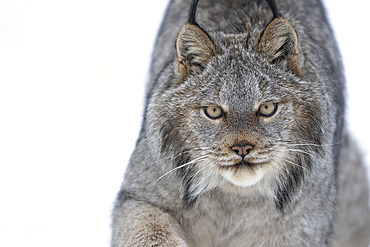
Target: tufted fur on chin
{"points": [[242, 138]]}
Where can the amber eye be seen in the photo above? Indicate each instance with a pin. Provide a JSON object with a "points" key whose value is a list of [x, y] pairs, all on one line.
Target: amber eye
{"points": [[213, 112], [268, 109]]}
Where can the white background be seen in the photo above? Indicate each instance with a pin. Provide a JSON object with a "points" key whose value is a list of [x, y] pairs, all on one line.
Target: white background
{"points": [[72, 79]]}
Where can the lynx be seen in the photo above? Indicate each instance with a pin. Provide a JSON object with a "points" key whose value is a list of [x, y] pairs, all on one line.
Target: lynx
{"points": [[243, 141]]}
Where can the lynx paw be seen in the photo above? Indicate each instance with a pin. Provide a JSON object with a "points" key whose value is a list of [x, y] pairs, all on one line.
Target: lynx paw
{"points": [[155, 236], [139, 224]]}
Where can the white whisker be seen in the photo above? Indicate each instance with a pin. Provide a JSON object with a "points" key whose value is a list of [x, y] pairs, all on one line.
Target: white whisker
{"points": [[301, 151], [288, 143], [179, 167], [200, 170], [290, 162]]}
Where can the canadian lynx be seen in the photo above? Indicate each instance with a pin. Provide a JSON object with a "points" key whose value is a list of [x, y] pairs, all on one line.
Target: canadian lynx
{"points": [[243, 141]]}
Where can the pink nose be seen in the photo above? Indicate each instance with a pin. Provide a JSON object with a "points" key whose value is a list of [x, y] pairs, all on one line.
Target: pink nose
{"points": [[242, 149]]}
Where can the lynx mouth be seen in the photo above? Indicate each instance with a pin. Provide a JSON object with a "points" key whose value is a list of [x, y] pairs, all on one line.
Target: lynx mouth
{"points": [[242, 164], [244, 173]]}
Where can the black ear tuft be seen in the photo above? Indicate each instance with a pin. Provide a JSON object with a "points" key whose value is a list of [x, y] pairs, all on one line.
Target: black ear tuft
{"points": [[194, 46], [279, 41], [273, 8], [192, 12]]}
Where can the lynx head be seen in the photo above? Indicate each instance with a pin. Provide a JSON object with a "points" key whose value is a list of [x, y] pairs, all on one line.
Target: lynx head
{"points": [[237, 115]]}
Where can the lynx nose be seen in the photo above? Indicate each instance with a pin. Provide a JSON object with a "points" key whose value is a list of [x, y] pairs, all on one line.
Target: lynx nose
{"points": [[242, 149]]}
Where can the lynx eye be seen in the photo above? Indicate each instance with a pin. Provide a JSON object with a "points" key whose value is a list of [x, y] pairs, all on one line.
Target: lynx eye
{"points": [[213, 112], [268, 109]]}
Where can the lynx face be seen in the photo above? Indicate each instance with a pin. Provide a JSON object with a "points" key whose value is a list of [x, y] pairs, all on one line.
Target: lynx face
{"points": [[246, 140], [240, 121], [232, 116]]}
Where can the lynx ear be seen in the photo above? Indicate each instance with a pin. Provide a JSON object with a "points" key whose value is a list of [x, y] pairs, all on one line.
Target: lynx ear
{"points": [[194, 49], [279, 43]]}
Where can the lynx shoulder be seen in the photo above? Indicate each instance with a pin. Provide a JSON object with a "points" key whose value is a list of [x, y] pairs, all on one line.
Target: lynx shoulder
{"points": [[243, 141]]}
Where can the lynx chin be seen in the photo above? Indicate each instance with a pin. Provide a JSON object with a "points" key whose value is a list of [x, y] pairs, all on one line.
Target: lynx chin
{"points": [[243, 141]]}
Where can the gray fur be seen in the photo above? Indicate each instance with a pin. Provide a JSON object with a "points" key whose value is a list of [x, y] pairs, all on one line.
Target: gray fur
{"points": [[302, 184]]}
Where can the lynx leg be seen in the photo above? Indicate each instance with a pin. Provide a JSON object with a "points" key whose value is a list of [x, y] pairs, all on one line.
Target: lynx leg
{"points": [[140, 224]]}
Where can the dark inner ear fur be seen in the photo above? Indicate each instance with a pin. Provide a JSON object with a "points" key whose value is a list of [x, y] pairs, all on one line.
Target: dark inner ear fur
{"points": [[279, 43], [194, 49]]}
